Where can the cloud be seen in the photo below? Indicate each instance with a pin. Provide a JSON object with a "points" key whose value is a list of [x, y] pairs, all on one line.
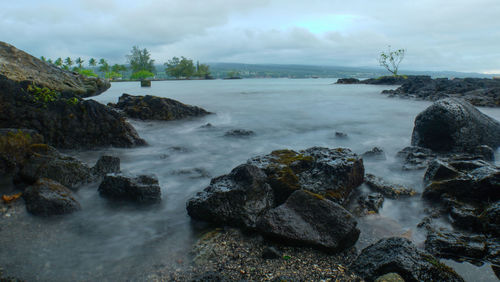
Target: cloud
{"points": [[452, 35]]}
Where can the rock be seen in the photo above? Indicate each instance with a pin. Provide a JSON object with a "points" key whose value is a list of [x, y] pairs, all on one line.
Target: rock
{"points": [[332, 173], [15, 148], [486, 152], [478, 182], [308, 219], [340, 134], [393, 191], [453, 125], [386, 80], [237, 199], [156, 108], [369, 204], [47, 197], [207, 125], [440, 170], [390, 277], [347, 81], [415, 158], [46, 162], [143, 189], [399, 255], [20, 67], [145, 83], [490, 218], [455, 245], [271, 253], [64, 122], [463, 215], [376, 154], [239, 133], [105, 165], [210, 276]]}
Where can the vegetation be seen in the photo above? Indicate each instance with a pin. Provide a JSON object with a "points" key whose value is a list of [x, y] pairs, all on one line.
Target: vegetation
{"points": [[178, 68], [87, 72], [391, 59], [92, 62], [143, 74], [14, 146], [233, 74], [103, 66], [202, 70], [42, 95], [140, 60]]}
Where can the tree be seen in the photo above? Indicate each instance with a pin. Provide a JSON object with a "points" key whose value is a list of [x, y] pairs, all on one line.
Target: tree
{"points": [[202, 70], [118, 68], [140, 60], [79, 62], [391, 59], [58, 62], [43, 58], [104, 66], [182, 67], [68, 62], [49, 61], [92, 62], [142, 74]]}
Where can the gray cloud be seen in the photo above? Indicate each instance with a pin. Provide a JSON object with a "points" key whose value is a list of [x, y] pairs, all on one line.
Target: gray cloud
{"points": [[452, 35]]}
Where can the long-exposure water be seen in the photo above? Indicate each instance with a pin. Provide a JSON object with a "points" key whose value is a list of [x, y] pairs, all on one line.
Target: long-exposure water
{"points": [[105, 242]]}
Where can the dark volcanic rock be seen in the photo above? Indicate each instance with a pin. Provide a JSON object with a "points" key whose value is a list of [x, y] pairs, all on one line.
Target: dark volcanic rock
{"points": [[156, 108], [453, 125], [15, 148], [415, 158], [105, 165], [440, 170], [332, 173], [490, 218], [456, 245], [347, 81], [369, 204], [308, 219], [143, 189], [400, 256], [341, 135], [238, 198], [64, 123], [239, 133], [375, 153], [47, 197], [20, 67], [387, 80], [393, 191]]}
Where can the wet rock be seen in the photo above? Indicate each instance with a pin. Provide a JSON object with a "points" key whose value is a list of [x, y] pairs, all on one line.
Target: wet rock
{"points": [[208, 125], [399, 255], [387, 80], [332, 173], [306, 219], [485, 152], [456, 245], [237, 199], [193, 173], [369, 204], [393, 191], [21, 67], [105, 165], [440, 170], [463, 216], [156, 108], [390, 277], [375, 154], [143, 189], [415, 158], [271, 253], [145, 83], [47, 197], [347, 81], [239, 133], [15, 148], [340, 135], [454, 125], [490, 218]]}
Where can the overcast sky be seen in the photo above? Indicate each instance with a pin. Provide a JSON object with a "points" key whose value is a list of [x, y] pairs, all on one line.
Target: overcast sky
{"points": [[460, 35]]}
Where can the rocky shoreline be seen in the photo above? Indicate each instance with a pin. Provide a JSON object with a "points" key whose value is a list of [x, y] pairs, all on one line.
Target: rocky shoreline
{"points": [[283, 216], [481, 92]]}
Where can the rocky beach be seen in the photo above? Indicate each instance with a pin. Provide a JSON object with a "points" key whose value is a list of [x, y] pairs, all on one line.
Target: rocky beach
{"points": [[223, 199]]}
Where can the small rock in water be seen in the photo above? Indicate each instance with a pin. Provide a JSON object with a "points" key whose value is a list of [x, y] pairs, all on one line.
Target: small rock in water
{"points": [[393, 191], [339, 134], [47, 197], [239, 133], [141, 189], [105, 165], [376, 154], [208, 125]]}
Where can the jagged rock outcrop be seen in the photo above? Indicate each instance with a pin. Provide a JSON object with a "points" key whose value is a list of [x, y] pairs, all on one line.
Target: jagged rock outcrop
{"points": [[454, 125], [156, 108], [21, 67]]}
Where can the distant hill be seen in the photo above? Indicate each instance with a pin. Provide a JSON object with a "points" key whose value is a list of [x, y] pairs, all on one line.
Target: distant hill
{"points": [[220, 70]]}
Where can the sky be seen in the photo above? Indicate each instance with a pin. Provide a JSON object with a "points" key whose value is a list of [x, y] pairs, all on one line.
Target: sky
{"points": [[458, 35]]}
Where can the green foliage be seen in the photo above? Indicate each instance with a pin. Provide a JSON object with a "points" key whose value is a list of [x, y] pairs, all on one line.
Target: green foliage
{"points": [[118, 68], [92, 62], [42, 95], [49, 61], [43, 58], [112, 75], [103, 66], [86, 72], [391, 59], [140, 60], [233, 74], [68, 62], [79, 61], [58, 62], [182, 67], [72, 101], [202, 70], [143, 74]]}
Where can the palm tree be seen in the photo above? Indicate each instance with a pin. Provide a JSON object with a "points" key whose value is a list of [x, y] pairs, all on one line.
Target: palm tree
{"points": [[104, 66], [92, 62], [68, 62], [79, 62], [58, 62], [43, 58]]}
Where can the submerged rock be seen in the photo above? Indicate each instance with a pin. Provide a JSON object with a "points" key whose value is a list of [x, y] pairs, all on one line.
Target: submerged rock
{"points": [[375, 153], [393, 191], [454, 125], [143, 189], [399, 255], [239, 133], [340, 135], [308, 219], [415, 158], [156, 108], [237, 199], [369, 204], [47, 197]]}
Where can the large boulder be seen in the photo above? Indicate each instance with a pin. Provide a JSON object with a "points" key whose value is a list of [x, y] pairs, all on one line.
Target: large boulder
{"points": [[399, 255], [332, 173], [143, 189], [237, 199], [47, 197], [453, 125], [309, 219], [156, 108], [19, 66]]}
